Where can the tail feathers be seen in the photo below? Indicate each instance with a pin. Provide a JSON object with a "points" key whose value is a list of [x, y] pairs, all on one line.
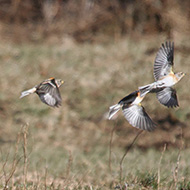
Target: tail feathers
{"points": [[27, 92], [146, 89], [113, 110]]}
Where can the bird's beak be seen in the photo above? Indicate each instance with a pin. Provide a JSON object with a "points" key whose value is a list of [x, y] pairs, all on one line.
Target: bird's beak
{"points": [[62, 82]]}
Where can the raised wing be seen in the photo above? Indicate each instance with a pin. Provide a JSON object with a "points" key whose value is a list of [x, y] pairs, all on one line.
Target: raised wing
{"points": [[164, 60], [168, 97], [138, 118]]}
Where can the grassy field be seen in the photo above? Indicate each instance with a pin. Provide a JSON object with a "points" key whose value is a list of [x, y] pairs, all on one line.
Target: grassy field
{"points": [[69, 147]]}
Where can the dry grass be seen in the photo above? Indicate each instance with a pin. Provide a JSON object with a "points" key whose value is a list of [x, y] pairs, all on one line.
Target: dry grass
{"points": [[68, 148]]}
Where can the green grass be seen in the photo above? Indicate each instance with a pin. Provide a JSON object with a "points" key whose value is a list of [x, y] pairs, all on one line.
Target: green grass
{"points": [[68, 148]]}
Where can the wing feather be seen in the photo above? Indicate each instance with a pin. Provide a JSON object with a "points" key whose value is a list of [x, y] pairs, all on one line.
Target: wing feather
{"points": [[168, 97], [138, 118], [164, 60], [49, 94]]}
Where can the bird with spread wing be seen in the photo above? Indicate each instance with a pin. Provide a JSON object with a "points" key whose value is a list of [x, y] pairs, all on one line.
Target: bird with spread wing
{"points": [[133, 111], [164, 76]]}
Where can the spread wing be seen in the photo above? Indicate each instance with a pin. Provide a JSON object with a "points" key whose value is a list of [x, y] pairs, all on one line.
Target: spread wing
{"points": [[164, 60], [168, 97], [138, 118], [49, 94]]}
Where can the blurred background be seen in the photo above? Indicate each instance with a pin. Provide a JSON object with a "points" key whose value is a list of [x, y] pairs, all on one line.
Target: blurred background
{"points": [[103, 50]]}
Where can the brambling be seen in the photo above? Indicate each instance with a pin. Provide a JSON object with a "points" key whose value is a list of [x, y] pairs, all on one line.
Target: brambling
{"points": [[48, 92], [164, 76], [133, 111]]}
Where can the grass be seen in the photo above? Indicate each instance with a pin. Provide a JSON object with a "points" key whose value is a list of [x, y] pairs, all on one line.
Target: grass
{"points": [[68, 148], [81, 169]]}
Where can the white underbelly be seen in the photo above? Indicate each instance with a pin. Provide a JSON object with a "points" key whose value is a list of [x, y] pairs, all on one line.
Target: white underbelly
{"points": [[166, 82], [137, 100]]}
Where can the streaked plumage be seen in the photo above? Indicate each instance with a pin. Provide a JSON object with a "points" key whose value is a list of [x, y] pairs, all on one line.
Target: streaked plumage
{"points": [[48, 91], [165, 78], [133, 112]]}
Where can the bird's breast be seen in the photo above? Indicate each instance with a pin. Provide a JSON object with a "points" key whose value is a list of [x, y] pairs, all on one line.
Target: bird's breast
{"points": [[137, 100], [166, 81]]}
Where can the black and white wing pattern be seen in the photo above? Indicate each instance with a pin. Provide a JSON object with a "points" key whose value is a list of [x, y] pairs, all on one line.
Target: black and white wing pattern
{"points": [[167, 97], [164, 60], [138, 118], [49, 94]]}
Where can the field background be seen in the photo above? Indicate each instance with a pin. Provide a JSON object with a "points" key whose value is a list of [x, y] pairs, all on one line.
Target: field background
{"points": [[103, 51]]}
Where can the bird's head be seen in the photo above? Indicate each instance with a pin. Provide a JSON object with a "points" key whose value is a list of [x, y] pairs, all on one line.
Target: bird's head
{"points": [[180, 75], [59, 82]]}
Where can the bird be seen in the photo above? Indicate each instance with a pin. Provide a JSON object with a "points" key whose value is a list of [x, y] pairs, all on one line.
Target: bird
{"points": [[133, 111], [164, 77], [48, 91]]}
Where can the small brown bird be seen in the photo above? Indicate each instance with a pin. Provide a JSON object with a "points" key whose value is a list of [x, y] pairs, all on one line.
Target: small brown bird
{"points": [[133, 111], [165, 78], [48, 91]]}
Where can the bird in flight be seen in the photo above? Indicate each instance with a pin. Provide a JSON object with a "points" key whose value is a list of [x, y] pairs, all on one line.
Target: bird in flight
{"points": [[133, 111], [48, 92], [164, 77]]}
